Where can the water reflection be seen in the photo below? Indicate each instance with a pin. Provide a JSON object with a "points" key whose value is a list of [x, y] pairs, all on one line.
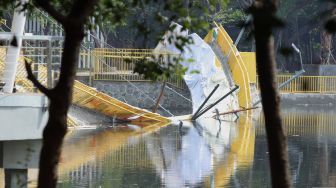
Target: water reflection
{"points": [[311, 135], [173, 156], [206, 154]]}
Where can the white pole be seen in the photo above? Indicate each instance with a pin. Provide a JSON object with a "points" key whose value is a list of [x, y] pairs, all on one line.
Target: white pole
{"points": [[13, 53]]}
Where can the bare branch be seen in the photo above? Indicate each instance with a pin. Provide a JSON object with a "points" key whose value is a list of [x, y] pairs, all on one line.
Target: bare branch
{"points": [[35, 82], [45, 5]]}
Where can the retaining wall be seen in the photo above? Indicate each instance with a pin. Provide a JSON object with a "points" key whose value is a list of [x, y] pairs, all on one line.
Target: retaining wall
{"points": [[308, 99], [142, 94]]}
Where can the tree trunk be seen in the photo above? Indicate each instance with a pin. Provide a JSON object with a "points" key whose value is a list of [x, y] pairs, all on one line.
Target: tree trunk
{"points": [[264, 19], [60, 97], [60, 101]]}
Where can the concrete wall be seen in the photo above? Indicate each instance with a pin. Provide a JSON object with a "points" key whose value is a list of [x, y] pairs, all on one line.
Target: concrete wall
{"points": [[22, 116], [289, 99], [20, 154], [125, 92]]}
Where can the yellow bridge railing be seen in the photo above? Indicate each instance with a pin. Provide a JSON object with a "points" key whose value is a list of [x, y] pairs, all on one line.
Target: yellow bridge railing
{"points": [[307, 84], [236, 63], [116, 64]]}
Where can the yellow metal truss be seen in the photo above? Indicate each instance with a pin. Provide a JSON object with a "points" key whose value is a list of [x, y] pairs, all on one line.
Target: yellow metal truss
{"points": [[87, 97], [236, 63]]}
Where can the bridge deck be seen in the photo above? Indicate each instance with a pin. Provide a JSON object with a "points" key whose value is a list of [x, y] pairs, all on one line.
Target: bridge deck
{"points": [[87, 97]]}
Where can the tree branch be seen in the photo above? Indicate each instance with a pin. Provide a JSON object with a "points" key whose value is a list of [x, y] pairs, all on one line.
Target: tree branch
{"points": [[35, 82], [45, 5]]}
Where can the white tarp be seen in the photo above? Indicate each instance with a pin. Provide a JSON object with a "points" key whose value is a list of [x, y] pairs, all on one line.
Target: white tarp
{"points": [[201, 85]]}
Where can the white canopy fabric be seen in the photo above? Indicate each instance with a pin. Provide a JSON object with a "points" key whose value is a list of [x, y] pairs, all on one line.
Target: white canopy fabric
{"points": [[210, 74]]}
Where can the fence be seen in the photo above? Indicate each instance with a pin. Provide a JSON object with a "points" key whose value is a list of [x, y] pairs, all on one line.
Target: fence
{"points": [[40, 55], [307, 84], [110, 64], [114, 64]]}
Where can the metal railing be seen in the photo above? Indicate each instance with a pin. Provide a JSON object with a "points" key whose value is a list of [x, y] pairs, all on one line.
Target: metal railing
{"points": [[108, 64], [306, 84], [113, 64]]}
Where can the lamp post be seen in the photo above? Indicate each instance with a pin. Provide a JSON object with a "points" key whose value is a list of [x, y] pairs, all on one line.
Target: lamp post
{"points": [[299, 52]]}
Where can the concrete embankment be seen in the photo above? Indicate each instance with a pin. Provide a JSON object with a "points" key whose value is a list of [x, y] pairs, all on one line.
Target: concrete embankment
{"points": [[138, 95], [308, 99], [144, 94]]}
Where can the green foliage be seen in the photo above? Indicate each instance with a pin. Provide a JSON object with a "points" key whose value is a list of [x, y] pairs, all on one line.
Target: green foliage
{"points": [[157, 19], [150, 19], [230, 16]]}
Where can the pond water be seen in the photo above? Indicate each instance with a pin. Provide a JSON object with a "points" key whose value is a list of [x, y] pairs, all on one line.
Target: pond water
{"points": [[233, 154]]}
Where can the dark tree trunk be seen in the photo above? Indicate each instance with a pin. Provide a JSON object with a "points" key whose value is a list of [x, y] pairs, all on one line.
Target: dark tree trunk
{"points": [[264, 19], [60, 97], [60, 101]]}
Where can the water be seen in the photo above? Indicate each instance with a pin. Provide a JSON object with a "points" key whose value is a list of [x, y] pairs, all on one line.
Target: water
{"points": [[200, 155]]}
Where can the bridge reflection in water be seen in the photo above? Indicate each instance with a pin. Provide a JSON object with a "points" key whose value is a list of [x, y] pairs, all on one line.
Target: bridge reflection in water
{"points": [[311, 135], [304, 121], [171, 156]]}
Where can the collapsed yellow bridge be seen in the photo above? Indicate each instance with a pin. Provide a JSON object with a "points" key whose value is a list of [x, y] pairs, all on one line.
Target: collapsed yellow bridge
{"points": [[86, 96], [241, 64]]}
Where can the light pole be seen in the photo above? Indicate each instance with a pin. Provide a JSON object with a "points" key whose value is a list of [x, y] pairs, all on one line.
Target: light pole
{"points": [[299, 52], [291, 78]]}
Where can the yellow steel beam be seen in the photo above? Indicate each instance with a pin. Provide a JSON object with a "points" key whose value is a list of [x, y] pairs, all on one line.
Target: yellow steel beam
{"points": [[236, 63]]}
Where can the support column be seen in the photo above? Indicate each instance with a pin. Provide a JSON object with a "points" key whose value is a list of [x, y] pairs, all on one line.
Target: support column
{"points": [[16, 178], [13, 52]]}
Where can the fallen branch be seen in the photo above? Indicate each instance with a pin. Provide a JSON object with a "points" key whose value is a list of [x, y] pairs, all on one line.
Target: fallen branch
{"points": [[235, 111]]}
